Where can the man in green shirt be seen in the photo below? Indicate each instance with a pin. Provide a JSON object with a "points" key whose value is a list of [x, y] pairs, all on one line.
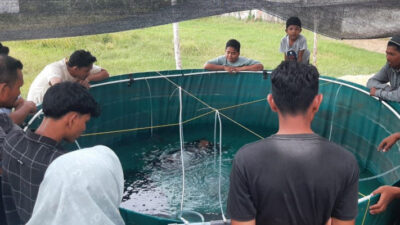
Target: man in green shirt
{"points": [[232, 62]]}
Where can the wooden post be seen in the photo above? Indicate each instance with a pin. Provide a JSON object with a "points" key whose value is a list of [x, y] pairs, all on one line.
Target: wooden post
{"points": [[177, 51], [315, 48]]}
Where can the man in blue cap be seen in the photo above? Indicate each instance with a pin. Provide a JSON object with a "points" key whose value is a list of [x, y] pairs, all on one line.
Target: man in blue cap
{"points": [[390, 72]]}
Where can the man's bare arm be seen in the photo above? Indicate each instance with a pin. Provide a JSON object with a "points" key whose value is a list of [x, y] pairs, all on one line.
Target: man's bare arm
{"points": [[255, 67], [235, 222], [300, 56], [214, 67], [335, 221], [54, 80], [22, 111], [102, 75], [209, 66]]}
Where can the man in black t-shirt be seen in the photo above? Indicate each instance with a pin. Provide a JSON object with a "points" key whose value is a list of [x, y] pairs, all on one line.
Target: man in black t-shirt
{"points": [[294, 177]]}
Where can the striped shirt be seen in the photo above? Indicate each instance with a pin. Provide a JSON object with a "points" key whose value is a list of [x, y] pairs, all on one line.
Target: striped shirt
{"points": [[26, 157]]}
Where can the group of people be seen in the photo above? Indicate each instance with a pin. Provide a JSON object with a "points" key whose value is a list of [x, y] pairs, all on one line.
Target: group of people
{"points": [[292, 177], [80, 187], [293, 46]]}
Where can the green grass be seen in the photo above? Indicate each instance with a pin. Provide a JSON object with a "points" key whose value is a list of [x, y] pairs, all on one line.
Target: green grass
{"points": [[151, 49]]}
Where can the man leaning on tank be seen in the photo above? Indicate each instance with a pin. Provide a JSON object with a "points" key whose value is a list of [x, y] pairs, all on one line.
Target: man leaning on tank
{"points": [[232, 62], [295, 176], [390, 72]]}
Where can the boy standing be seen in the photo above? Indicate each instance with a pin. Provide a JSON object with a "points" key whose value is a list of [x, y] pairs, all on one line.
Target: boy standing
{"points": [[67, 107], [294, 45], [232, 62]]}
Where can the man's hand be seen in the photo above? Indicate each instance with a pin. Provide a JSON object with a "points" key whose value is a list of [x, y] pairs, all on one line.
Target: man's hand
{"points": [[84, 83], [22, 110], [30, 107], [388, 193], [388, 142], [372, 91], [231, 69], [18, 103]]}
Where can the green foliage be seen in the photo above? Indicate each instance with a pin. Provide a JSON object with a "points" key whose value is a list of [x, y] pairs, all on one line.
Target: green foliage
{"points": [[151, 49]]}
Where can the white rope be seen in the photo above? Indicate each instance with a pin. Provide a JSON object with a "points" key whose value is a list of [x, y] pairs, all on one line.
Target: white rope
{"points": [[365, 198], [33, 119], [77, 144], [215, 139], [193, 212], [333, 113], [151, 108], [379, 175], [220, 164], [181, 140]]}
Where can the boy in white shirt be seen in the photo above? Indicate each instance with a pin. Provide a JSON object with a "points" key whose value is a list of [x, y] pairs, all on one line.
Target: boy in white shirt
{"points": [[78, 68], [294, 42]]}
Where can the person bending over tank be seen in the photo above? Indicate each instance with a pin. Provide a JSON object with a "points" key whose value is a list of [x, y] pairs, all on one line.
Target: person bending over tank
{"points": [[67, 107], [232, 62], [21, 107], [294, 176], [78, 68], [390, 72]]}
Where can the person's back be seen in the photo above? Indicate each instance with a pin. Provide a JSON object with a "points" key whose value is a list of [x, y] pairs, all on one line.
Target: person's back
{"points": [[296, 179], [295, 176], [67, 107]]}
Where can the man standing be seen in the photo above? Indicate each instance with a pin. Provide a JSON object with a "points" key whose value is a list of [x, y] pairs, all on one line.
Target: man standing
{"points": [[67, 107], [390, 72], [78, 68], [295, 176]]}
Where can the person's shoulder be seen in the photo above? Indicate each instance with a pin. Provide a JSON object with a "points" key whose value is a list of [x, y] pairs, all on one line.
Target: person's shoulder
{"points": [[254, 147], [337, 151]]}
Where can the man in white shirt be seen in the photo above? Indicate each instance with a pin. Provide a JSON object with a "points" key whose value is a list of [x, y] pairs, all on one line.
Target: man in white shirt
{"points": [[78, 68]]}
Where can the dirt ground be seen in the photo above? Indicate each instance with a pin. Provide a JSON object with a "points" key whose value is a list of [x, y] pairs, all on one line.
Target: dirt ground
{"points": [[375, 45]]}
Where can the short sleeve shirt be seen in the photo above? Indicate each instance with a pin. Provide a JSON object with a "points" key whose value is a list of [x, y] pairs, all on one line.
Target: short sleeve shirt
{"points": [[242, 61], [42, 82], [299, 45], [293, 179]]}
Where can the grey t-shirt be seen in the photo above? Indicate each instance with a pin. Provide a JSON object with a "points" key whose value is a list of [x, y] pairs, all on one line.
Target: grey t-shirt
{"points": [[380, 82], [242, 61], [293, 179], [298, 45]]}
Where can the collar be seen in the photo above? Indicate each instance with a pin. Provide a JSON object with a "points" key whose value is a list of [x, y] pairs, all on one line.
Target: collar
{"points": [[43, 139]]}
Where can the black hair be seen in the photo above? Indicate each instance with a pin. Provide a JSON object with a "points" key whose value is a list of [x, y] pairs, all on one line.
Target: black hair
{"points": [[394, 45], [8, 69], [66, 97], [81, 58], [294, 20], [4, 50], [294, 86], [234, 44]]}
